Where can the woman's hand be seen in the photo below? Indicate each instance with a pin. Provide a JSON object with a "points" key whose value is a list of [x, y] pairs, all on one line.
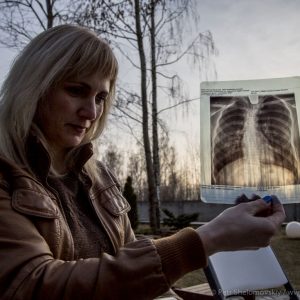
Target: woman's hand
{"points": [[242, 227]]}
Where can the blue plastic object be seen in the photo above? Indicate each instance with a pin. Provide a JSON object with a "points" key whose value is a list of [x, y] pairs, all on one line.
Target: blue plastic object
{"points": [[267, 198]]}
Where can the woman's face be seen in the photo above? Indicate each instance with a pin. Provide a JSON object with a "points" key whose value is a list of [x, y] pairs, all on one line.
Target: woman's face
{"points": [[70, 109]]}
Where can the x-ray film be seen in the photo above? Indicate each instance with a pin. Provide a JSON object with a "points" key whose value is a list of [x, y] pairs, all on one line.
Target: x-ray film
{"points": [[250, 140]]}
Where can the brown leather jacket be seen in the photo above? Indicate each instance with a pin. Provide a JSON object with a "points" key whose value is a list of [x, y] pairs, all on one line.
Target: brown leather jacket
{"points": [[37, 251]]}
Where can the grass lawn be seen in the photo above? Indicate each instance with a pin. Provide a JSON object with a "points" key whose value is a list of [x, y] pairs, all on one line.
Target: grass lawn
{"points": [[287, 251]]}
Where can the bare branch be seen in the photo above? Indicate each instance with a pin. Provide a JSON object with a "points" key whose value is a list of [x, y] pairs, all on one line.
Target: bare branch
{"points": [[41, 6], [128, 115], [109, 7], [128, 58], [186, 51], [14, 2], [37, 15], [178, 104]]}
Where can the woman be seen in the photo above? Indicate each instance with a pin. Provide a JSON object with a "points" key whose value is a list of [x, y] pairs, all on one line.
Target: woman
{"points": [[64, 231]]}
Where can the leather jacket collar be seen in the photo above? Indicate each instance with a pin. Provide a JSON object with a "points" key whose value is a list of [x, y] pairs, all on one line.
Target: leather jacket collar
{"points": [[40, 161]]}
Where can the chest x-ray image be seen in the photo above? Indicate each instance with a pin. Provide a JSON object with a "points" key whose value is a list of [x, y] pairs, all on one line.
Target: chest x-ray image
{"points": [[254, 144], [249, 139]]}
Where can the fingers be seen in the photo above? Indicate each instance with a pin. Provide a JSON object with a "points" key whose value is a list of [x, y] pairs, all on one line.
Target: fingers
{"points": [[272, 212], [256, 207], [278, 213], [260, 208], [249, 225], [275, 200], [243, 198]]}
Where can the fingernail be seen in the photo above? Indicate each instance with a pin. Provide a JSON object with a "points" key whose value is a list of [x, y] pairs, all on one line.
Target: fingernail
{"points": [[275, 199], [255, 197], [241, 199]]}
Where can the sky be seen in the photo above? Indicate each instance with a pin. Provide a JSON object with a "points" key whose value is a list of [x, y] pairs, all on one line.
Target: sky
{"points": [[254, 38]]}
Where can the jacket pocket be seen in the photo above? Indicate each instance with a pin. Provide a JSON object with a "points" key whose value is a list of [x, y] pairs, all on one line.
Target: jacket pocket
{"points": [[112, 200], [34, 203]]}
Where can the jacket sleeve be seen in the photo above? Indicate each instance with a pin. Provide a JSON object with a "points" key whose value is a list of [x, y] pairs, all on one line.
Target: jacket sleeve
{"points": [[140, 270]]}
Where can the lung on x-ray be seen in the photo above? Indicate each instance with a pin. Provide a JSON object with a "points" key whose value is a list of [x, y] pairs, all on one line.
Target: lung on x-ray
{"points": [[250, 139]]}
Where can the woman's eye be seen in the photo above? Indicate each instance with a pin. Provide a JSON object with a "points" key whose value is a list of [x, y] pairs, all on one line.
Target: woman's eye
{"points": [[100, 98], [85, 92], [75, 90]]}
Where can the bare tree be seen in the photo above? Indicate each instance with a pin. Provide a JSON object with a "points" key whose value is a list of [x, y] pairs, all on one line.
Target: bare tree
{"points": [[21, 20], [131, 26], [165, 50], [136, 26], [114, 159], [136, 167], [153, 200], [169, 163]]}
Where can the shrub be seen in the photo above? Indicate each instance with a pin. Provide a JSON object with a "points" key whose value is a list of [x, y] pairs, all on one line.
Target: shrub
{"points": [[179, 222], [131, 197]]}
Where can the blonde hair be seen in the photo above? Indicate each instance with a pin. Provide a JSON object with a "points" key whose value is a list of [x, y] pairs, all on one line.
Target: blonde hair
{"points": [[55, 55]]}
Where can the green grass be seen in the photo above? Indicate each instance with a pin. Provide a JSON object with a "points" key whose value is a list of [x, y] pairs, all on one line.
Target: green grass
{"points": [[288, 254]]}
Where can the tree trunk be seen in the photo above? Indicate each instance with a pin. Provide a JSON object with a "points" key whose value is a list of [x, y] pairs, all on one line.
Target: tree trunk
{"points": [[50, 16], [147, 147], [155, 143]]}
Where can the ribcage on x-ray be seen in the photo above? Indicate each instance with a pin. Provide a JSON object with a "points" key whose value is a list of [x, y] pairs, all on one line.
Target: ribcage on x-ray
{"points": [[272, 131], [275, 122], [228, 136]]}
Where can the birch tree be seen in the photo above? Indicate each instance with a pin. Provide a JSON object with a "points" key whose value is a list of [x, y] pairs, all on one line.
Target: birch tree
{"points": [[148, 33]]}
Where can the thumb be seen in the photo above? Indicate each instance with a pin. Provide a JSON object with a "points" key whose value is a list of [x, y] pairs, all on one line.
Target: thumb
{"points": [[278, 214]]}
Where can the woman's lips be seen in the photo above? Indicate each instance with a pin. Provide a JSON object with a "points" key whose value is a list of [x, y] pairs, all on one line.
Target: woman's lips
{"points": [[78, 128]]}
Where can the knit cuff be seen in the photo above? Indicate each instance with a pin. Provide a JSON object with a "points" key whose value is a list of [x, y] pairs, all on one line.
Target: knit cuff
{"points": [[181, 253]]}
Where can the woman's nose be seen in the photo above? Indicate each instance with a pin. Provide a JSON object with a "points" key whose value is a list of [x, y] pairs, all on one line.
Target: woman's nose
{"points": [[88, 110]]}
